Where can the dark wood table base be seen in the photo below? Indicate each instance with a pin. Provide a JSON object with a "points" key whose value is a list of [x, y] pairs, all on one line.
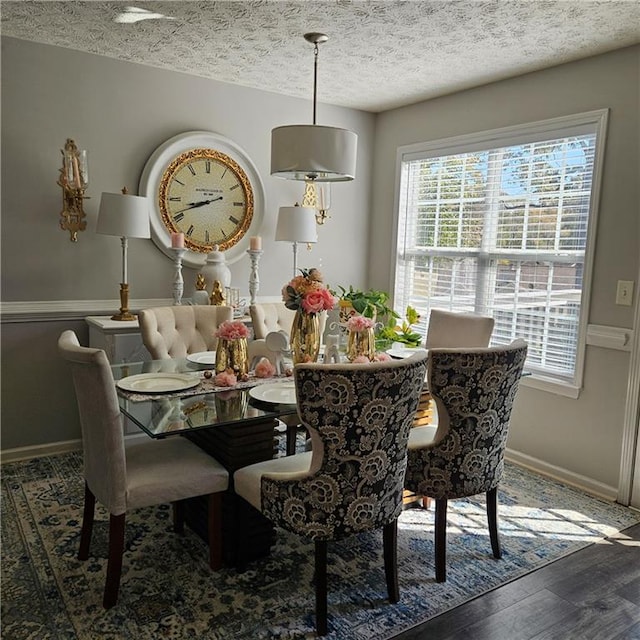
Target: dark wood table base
{"points": [[235, 446]]}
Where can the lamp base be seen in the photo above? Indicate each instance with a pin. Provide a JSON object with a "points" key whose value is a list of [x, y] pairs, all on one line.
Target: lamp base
{"points": [[124, 316], [124, 304]]}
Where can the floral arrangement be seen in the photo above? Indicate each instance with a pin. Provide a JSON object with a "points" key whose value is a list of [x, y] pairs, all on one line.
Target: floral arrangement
{"points": [[359, 323], [232, 330], [264, 369], [307, 293]]}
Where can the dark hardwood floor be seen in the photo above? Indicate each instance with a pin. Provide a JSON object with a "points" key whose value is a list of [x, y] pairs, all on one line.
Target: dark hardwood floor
{"points": [[592, 594]]}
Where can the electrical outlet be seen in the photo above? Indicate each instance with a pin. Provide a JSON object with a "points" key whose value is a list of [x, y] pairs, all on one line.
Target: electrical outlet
{"points": [[624, 292]]}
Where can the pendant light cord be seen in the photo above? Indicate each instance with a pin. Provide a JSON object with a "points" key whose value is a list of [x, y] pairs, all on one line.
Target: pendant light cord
{"points": [[315, 79]]}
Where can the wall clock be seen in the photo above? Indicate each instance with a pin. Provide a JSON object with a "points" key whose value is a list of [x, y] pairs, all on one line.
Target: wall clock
{"points": [[203, 185]]}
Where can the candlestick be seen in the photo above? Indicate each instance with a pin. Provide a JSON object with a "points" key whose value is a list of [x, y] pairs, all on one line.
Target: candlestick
{"points": [[254, 279], [177, 240], [255, 243], [178, 282]]}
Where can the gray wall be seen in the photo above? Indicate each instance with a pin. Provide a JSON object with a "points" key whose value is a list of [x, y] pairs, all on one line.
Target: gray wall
{"points": [[582, 435], [120, 112]]}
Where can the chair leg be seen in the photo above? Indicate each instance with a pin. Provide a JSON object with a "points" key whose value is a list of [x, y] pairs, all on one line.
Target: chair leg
{"points": [[390, 546], [321, 586], [178, 516], [87, 523], [492, 517], [292, 435], [114, 564], [215, 530], [441, 539]]}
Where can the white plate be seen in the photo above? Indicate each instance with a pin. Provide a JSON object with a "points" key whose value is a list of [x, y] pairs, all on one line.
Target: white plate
{"points": [[202, 357], [277, 393], [400, 352], [158, 382]]}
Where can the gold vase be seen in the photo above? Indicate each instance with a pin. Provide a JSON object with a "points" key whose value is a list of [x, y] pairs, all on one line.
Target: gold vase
{"points": [[231, 405], [361, 343], [232, 354], [305, 337]]}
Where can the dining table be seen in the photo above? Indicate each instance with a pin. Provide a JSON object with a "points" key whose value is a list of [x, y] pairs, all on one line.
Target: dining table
{"points": [[237, 425]]}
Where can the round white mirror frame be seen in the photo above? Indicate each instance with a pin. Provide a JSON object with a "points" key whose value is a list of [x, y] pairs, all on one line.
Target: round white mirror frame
{"points": [[158, 163]]}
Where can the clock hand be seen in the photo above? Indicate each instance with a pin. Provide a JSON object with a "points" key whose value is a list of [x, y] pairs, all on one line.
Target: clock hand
{"points": [[193, 205]]}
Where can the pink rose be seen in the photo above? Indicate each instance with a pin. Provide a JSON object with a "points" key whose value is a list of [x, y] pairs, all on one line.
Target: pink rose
{"points": [[317, 300], [359, 323], [264, 369], [360, 360], [230, 330], [382, 356], [225, 379]]}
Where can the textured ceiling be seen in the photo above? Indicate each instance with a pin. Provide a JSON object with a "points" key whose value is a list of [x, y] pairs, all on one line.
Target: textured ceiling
{"points": [[380, 54]]}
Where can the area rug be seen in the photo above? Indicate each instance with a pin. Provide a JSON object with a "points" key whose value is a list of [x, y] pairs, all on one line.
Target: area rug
{"points": [[168, 591]]}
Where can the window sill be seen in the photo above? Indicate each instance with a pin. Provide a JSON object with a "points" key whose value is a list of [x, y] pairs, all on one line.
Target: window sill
{"points": [[551, 386]]}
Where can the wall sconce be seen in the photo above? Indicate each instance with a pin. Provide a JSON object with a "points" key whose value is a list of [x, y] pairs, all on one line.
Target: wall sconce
{"points": [[74, 179], [317, 195]]}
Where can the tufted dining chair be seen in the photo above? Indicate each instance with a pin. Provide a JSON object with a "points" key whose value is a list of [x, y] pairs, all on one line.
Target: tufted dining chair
{"points": [[358, 417], [474, 390], [128, 476], [175, 332], [270, 316]]}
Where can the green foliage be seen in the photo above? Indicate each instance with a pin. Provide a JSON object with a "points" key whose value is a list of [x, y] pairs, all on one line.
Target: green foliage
{"points": [[403, 333], [371, 303]]}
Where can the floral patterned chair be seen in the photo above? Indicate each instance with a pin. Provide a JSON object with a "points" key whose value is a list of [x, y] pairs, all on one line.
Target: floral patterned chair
{"points": [[358, 417], [474, 390]]}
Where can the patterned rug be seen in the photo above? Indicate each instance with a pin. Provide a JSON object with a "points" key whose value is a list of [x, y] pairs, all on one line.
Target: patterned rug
{"points": [[168, 591]]}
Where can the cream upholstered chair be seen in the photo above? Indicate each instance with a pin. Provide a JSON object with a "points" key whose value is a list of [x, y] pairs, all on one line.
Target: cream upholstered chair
{"points": [[270, 316], [175, 332], [474, 390], [146, 473], [450, 330], [358, 417]]}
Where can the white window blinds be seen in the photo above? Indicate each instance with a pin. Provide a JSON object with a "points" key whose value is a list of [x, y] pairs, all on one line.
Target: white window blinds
{"points": [[502, 231]]}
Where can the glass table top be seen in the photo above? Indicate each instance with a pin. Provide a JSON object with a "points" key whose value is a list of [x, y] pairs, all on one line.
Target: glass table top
{"points": [[160, 415]]}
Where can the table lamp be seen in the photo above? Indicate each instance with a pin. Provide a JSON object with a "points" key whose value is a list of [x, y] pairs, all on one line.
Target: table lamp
{"points": [[296, 224], [126, 216]]}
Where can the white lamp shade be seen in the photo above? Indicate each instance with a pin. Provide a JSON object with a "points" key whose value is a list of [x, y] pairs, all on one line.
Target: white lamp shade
{"points": [[297, 224], [311, 151], [123, 215]]}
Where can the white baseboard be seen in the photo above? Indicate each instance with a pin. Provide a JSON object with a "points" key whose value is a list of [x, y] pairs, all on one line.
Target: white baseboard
{"points": [[51, 449], [588, 485], [38, 451]]}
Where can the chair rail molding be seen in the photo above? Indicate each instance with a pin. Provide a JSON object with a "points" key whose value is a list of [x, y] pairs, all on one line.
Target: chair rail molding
{"points": [[51, 310]]}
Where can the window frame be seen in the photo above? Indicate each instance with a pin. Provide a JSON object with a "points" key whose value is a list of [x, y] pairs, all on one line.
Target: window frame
{"points": [[563, 126]]}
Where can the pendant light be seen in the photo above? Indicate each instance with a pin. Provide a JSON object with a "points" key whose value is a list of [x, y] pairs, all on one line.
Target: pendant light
{"points": [[311, 151]]}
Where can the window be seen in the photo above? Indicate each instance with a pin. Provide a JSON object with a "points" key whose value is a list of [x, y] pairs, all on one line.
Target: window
{"points": [[501, 224]]}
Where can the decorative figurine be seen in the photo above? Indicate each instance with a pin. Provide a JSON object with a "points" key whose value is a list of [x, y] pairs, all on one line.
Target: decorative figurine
{"points": [[217, 294], [200, 295]]}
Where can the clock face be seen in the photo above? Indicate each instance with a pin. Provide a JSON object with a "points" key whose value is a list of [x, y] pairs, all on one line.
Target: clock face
{"points": [[206, 195], [205, 186]]}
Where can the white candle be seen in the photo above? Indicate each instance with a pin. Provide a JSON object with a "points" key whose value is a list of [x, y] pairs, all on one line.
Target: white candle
{"points": [[76, 173], [255, 243], [177, 240]]}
